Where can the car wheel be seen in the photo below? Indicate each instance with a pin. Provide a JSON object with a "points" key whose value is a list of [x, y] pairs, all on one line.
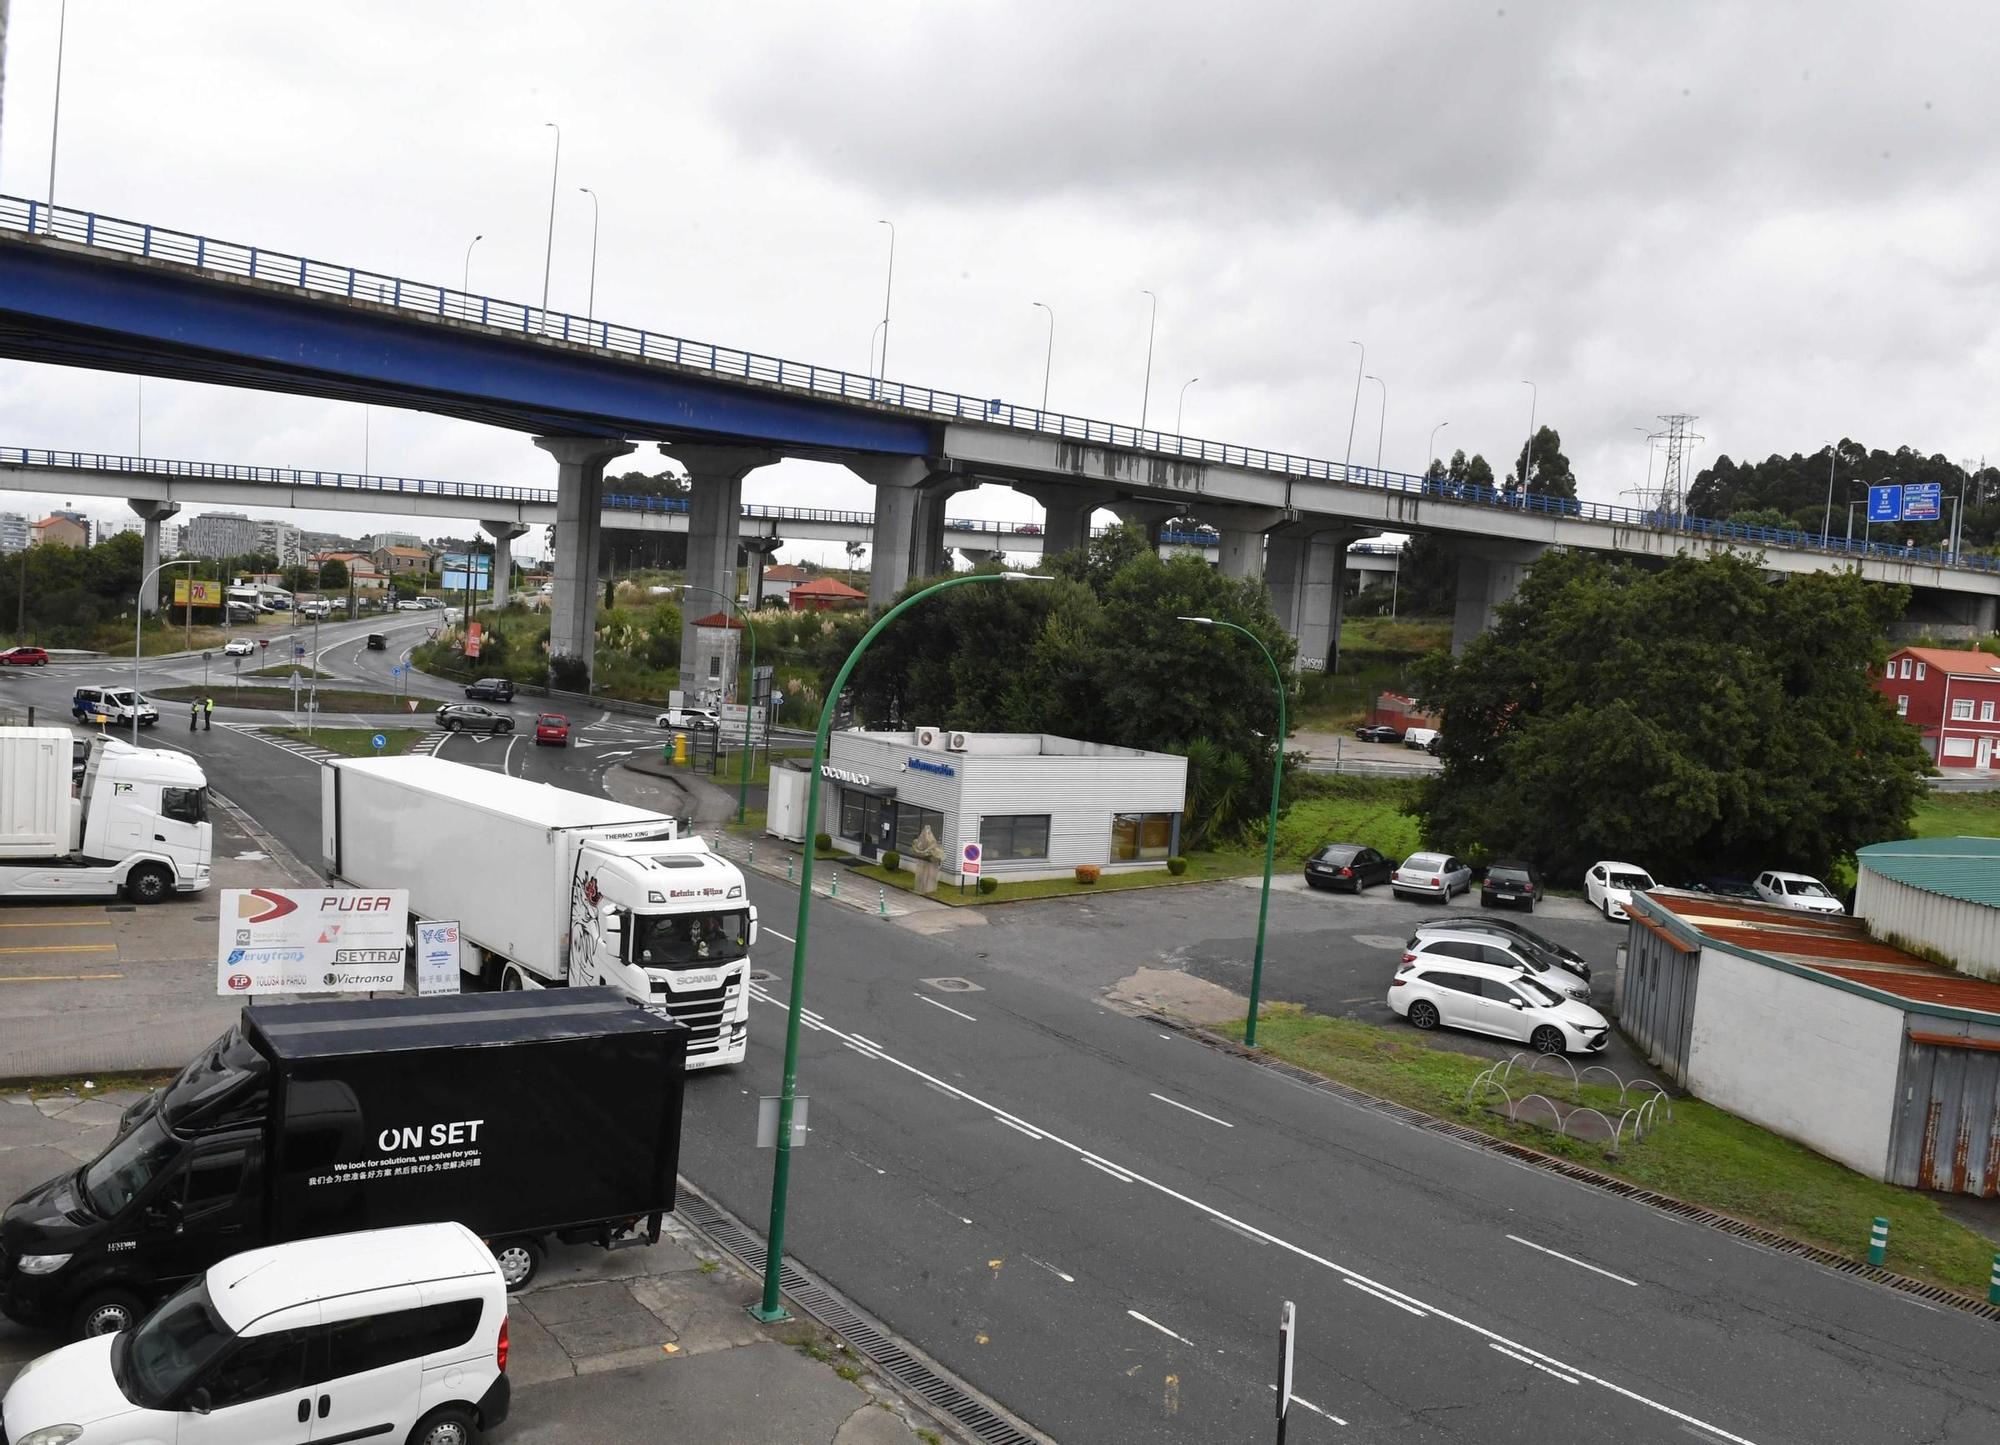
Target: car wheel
{"points": [[149, 883], [1605, 908], [1548, 1039], [451, 1425], [519, 1260], [1424, 1014], [1484, 901], [505, 727], [105, 1312], [1528, 906]]}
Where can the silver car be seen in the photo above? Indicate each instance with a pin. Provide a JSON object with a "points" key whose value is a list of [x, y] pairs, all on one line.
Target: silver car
{"points": [[1473, 946], [1431, 875]]}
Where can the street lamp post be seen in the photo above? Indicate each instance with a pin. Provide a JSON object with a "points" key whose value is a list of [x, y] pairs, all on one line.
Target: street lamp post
{"points": [[1826, 523], [1430, 447], [1528, 454], [549, 253], [1152, 327], [888, 290], [769, 1310], [1049, 360], [742, 787], [465, 279], [590, 306], [1270, 825], [1182, 403], [55, 125], [138, 623], [1355, 410], [1382, 421]]}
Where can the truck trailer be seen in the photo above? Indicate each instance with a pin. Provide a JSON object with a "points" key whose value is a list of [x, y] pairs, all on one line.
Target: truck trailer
{"points": [[551, 887], [135, 822], [525, 1117]]}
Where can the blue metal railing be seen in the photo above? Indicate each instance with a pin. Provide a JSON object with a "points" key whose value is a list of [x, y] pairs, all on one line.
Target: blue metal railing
{"points": [[137, 238]]}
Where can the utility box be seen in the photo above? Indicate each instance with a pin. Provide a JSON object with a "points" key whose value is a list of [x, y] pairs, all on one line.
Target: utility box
{"points": [[785, 813]]}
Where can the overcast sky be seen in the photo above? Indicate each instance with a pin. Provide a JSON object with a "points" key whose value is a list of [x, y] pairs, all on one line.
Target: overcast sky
{"points": [[1777, 216]]}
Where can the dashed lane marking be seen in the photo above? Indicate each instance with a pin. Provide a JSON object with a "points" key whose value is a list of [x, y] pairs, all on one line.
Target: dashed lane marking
{"points": [[1160, 1327], [1304, 1403], [1386, 1298], [1535, 1364], [1196, 1112], [946, 1007], [1571, 1259]]}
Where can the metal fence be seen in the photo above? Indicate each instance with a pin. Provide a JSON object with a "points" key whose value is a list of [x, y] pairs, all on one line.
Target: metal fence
{"points": [[145, 240]]}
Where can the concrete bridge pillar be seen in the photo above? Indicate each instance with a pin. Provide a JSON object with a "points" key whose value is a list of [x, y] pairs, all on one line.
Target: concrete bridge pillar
{"points": [[1067, 508], [503, 535], [908, 540], [1148, 514], [579, 524], [715, 517], [928, 555], [151, 514], [1305, 566], [759, 550], [1240, 554], [1489, 573]]}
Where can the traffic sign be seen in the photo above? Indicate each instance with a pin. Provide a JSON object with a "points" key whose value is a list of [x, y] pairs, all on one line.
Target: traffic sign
{"points": [[1922, 501], [973, 854], [380, 742], [1885, 504], [395, 672], [298, 651]]}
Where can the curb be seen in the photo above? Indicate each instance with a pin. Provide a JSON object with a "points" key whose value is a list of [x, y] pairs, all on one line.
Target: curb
{"points": [[1592, 1178]]}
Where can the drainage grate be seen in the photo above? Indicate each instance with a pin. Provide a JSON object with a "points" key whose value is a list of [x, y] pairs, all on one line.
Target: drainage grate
{"points": [[1665, 1203], [982, 1420]]}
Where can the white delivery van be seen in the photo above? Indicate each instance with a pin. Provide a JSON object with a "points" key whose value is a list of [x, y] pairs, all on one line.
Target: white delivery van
{"points": [[396, 1334]]}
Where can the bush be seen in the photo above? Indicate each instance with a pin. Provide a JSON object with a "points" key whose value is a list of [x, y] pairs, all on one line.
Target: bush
{"points": [[569, 674], [1177, 865], [893, 861], [823, 842], [988, 884], [1086, 873]]}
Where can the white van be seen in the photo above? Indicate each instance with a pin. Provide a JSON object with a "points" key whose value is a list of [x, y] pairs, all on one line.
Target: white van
{"points": [[116, 705], [397, 1334]]}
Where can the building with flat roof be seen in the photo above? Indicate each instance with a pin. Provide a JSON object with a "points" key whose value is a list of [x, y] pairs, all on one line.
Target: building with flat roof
{"points": [[220, 534], [14, 534]]}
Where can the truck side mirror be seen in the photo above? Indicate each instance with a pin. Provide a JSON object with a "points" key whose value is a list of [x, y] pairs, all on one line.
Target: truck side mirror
{"points": [[752, 943]]}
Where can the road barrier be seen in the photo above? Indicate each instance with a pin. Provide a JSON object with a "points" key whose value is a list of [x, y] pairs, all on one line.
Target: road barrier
{"points": [[1878, 1243]]}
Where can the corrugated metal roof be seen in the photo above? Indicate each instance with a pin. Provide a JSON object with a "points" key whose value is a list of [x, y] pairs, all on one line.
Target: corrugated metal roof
{"points": [[1834, 947], [1964, 868]]}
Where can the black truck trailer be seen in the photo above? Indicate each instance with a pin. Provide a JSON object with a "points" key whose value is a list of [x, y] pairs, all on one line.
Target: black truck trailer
{"points": [[524, 1116]]}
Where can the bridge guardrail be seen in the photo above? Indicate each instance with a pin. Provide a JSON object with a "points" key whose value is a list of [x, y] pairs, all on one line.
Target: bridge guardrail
{"points": [[32, 218]]}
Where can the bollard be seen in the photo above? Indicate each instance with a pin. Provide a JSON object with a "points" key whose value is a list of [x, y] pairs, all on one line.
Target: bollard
{"points": [[882, 901], [788, 868], [751, 861], [833, 888], [1993, 1288], [1878, 1242], [681, 748]]}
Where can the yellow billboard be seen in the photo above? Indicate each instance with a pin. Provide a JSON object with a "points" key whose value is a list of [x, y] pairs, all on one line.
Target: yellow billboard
{"points": [[194, 592]]}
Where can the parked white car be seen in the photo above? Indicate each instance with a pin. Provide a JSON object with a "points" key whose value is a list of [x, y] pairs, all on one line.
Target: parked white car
{"points": [[1609, 886], [1420, 738], [1486, 998], [1431, 875], [396, 1334], [1476, 946], [238, 647], [689, 717], [1797, 890]]}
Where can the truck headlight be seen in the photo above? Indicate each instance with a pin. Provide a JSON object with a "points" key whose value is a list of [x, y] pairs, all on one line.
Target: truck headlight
{"points": [[52, 1435], [44, 1264]]}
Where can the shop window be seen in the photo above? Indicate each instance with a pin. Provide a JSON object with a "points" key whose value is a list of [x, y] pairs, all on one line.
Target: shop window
{"points": [[1019, 835], [1136, 836], [912, 820]]}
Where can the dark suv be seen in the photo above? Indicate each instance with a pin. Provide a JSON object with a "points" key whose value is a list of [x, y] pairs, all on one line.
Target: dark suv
{"points": [[490, 689], [1511, 881]]}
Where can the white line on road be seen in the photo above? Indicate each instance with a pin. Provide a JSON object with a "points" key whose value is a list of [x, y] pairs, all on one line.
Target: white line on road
{"points": [[864, 1039], [1065, 1278], [507, 758], [1302, 1400], [1017, 1128], [775, 934], [1119, 1174], [1386, 1298], [1160, 1327], [1570, 1259], [1196, 1112], [1537, 1364], [946, 1007], [865, 1053]]}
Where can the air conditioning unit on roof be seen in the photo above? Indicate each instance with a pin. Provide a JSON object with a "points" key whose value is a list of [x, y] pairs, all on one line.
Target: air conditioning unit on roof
{"points": [[956, 742], [927, 737]]}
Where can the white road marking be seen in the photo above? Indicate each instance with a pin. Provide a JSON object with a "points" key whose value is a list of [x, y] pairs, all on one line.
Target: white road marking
{"points": [[507, 758], [1116, 1173], [1065, 1278], [1160, 1327], [865, 1053], [1017, 1128], [1387, 1299], [1196, 1112], [1536, 1364], [1572, 1260], [945, 1006], [1351, 1276], [775, 934], [864, 1039], [1303, 1401]]}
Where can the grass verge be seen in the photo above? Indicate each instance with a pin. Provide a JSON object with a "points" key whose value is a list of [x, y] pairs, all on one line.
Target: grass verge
{"points": [[1704, 1156], [1202, 868], [356, 742], [279, 699], [1953, 815]]}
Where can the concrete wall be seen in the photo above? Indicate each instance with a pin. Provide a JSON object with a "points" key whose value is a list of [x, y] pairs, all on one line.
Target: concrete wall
{"points": [[1831, 1087], [1966, 934]]}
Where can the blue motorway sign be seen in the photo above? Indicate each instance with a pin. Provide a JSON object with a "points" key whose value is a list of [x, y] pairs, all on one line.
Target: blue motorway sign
{"points": [[1922, 501], [380, 742], [1885, 504], [395, 672]]}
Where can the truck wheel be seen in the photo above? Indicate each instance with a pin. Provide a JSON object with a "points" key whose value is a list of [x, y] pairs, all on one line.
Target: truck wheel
{"points": [[453, 1425], [106, 1312], [149, 883], [519, 1259], [510, 981]]}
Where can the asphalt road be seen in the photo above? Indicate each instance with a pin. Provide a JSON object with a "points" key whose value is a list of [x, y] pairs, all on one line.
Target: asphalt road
{"points": [[1097, 1222]]}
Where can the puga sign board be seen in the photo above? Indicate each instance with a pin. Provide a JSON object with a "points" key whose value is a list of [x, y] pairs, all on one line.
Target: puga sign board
{"points": [[311, 940]]}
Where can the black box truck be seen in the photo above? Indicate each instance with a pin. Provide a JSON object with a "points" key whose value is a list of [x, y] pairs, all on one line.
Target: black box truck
{"points": [[525, 1116]]}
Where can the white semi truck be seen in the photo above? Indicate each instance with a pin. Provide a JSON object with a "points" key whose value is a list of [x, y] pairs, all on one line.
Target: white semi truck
{"points": [[135, 822], [550, 887]]}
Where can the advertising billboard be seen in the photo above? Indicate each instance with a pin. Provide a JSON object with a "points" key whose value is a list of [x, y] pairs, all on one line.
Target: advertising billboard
{"points": [[310, 940], [196, 592]]}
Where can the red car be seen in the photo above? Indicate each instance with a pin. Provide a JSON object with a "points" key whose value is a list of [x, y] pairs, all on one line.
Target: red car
{"points": [[25, 657], [552, 727]]}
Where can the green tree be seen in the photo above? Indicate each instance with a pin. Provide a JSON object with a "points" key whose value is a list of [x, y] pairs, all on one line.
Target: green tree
{"points": [[1547, 470], [333, 576], [1699, 719]]}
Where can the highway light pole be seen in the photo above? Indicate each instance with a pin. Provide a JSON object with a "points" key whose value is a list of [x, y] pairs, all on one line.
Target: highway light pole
{"points": [[769, 1310], [1048, 360], [1152, 327], [888, 291], [55, 124], [548, 255], [1355, 410], [1382, 421], [1528, 455], [1826, 523], [1181, 405], [1430, 447], [742, 787], [138, 622], [465, 280], [1270, 825], [590, 306]]}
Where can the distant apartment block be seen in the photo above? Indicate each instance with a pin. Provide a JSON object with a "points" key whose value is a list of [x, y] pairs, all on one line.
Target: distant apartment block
{"points": [[14, 534], [220, 534]]}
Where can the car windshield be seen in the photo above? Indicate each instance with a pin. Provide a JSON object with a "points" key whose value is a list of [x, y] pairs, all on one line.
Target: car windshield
{"points": [[1505, 874], [1538, 993], [1631, 882], [171, 1346], [1334, 853], [683, 940], [1806, 888], [118, 1175], [1425, 863], [553, 720], [229, 1067]]}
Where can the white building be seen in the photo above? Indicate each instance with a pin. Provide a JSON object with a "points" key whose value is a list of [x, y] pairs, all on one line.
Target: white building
{"points": [[220, 534], [1030, 804], [281, 540]]}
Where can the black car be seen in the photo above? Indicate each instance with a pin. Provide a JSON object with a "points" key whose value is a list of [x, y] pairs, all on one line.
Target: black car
{"points": [[490, 689], [377, 642], [1727, 888], [470, 717], [1555, 953], [1347, 865], [1513, 882], [1379, 733]]}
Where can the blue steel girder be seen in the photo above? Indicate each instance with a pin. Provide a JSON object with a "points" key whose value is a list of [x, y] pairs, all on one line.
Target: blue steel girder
{"points": [[69, 307]]}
